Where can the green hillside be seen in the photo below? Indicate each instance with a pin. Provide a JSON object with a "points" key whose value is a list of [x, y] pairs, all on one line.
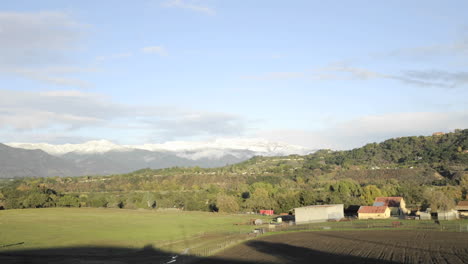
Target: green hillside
{"points": [[422, 169]]}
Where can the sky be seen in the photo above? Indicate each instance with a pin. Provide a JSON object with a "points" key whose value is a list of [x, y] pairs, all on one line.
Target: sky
{"points": [[319, 74]]}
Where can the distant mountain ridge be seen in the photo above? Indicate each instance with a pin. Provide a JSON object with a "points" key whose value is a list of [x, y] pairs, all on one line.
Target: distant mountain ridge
{"points": [[15, 162], [102, 157], [257, 146]]}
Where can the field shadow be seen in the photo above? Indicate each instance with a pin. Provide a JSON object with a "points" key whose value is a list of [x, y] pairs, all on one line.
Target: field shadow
{"points": [[295, 254], [272, 252], [118, 255], [92, 255]]}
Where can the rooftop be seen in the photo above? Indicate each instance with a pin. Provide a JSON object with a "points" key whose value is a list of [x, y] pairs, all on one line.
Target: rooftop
{"points": [[462, 205], [372, 209], [388, 201], [321, 205]]}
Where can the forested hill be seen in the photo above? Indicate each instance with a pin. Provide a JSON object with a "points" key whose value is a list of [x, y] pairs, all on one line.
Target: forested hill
{"points": [[421, 169], [448, 148]]}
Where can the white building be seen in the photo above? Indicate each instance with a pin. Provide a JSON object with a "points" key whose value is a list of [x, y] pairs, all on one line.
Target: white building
{"points": [[318, 213]]}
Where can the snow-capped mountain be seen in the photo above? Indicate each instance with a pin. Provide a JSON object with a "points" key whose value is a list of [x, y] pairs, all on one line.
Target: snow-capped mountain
{"points": [[105, 157], [90, 147], [192, 150]]}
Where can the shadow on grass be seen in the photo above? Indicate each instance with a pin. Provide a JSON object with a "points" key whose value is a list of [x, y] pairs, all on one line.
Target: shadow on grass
{"points": [[278, 253]]}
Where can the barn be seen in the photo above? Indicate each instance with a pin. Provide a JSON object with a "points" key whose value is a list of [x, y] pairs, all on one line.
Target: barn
{"points": [[397, 205], [373, 212], [318, 213]]}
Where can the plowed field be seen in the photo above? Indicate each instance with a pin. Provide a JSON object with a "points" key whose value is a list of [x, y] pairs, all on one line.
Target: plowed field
{"points": [[351, 247]]}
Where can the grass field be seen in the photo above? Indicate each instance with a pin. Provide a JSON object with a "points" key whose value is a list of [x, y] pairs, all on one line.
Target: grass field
{"points": [[64, 227]]}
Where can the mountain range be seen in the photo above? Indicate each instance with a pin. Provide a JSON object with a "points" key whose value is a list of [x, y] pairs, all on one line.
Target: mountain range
{"points": [[102, 157]]}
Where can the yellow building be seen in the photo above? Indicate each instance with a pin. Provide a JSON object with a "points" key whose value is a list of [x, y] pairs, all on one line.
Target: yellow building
{"points": [[373, 212]]}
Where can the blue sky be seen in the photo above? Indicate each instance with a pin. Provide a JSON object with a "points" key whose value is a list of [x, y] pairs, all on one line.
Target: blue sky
{"points": [[322, 75]]}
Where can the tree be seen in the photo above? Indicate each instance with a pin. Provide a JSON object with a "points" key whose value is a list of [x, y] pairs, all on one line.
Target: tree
{"points": [[261, 199], [68, 201], [369, 193], [35, 200], [438, 201], [150, 200], [287, 201], [227, 204]]}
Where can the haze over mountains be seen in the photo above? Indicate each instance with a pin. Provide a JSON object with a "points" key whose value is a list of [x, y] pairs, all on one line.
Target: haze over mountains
{"points": [[105, 157]]}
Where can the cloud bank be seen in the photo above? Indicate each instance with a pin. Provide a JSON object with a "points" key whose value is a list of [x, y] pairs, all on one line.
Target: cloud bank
{"points": [[36, 45], [65, 112], [372, 128]]}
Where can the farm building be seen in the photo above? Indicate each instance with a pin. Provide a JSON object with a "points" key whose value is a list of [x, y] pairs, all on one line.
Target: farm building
{"points": [[438, 215], [318, 213], [397, 205], [462, 208], [267, 212], [373, 212], [447, 215], [424, 215]]}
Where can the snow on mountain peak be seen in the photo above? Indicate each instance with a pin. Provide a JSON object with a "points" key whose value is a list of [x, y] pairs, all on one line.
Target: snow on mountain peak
{"points": [[251, 144], [193, 150], [89, 147]]}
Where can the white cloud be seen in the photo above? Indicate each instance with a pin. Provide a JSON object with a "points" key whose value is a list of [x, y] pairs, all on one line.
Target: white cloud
{"points": [[160, 50], [36, 45], [66, 111], [422, 78], [373, 128], [188, 124], [190, 5], [37, 38], [64, 93], [456, 48], [52, 75]]}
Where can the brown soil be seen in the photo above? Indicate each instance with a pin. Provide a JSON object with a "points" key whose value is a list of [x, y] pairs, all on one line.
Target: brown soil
{"points": [[350, 247]]}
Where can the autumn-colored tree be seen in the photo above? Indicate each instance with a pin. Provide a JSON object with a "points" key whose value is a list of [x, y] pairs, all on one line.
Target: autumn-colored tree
{"points": [[227, 203], [438, 201]]}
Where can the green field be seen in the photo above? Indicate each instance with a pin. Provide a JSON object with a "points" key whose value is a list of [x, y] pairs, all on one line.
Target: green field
{"points": [[63, 227]]}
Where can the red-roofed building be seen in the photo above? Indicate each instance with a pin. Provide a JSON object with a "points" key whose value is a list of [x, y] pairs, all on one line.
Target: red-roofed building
{"points": [[397, 205], [373, 212], [267, 212]]}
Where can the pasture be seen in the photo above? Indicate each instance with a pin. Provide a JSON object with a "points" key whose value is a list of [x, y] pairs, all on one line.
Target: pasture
{"points": [[98, 235], [66, 227]]}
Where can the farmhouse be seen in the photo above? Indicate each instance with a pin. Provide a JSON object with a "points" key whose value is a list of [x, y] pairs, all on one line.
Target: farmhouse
{"points": [[318, 213], [397, 205], [462, 208], [374, 212]]}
